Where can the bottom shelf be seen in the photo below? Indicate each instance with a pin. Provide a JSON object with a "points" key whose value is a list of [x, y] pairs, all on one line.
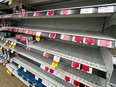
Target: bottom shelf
{"points": [[52, 80]]}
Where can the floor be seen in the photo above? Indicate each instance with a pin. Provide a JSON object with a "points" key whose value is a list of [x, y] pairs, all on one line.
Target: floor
{"points": [[9, 81]]}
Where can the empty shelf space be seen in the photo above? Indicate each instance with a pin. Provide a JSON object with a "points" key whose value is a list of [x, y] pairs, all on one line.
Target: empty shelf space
{"points": [[84, 55]]}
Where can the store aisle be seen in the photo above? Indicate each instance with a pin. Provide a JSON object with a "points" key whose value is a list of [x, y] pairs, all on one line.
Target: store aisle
{"points": [[9, 81]]}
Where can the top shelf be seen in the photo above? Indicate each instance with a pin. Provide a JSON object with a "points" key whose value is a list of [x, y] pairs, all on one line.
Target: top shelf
{"points": [[85, 11]]}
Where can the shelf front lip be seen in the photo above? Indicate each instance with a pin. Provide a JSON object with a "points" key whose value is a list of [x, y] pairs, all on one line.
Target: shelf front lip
{"points": [[88, 63], [81, 34], [72, 9], [58, 70]]}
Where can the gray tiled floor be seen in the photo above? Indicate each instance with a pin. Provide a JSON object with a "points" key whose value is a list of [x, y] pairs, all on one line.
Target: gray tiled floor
{"points": [[9, 81]]}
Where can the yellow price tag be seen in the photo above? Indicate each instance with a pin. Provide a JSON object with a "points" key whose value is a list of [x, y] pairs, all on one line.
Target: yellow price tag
{"points": [[4, 43], [13, 46], [7, 71], [54, 64], [10, 2], [37, 38], [10, 46]]}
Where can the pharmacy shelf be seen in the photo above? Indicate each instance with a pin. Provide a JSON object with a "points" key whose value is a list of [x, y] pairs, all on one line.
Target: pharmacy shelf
{"points": [[85, 11], [80, 76], [83, 55], [113, 79], [35, 69], [90, 38], [93, 71]]}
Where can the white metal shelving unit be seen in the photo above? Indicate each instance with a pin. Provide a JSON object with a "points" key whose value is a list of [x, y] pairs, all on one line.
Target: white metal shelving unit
{"points": [[75, 34]]}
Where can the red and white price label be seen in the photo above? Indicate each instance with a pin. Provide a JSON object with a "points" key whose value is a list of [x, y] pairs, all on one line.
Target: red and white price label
{"points": [[65, 37], [52, 35], [10, 29], [25, 14], [50, 13], [105, 43], [89, 41], [45, 54], [65, 12], [106, 9], [51, 71], [25, 31], [76, 83], [67, 79], [86, 69], [87, 10], [20, 15], [28, 48], [75, 65], [77, 39], [33, 32], [36, 14], [29, 31], [15, 30], [20, 30]]}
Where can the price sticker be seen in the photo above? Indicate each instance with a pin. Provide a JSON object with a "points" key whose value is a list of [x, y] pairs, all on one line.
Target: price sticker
{"points": [[87, 10], [54, 64], [65, 12], [106, 9], [36, 14], [11, 45], [50, 13], [38, 36], [56, 58]]}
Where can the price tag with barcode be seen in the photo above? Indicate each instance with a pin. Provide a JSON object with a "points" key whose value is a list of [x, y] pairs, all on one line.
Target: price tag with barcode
{"points": [[88, 10], [106, 9], [36, 14], [56, 58]]}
